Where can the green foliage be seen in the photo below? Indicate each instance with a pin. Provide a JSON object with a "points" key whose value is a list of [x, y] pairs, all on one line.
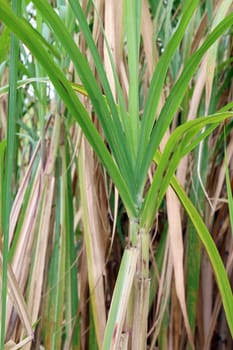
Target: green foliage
{"points": [[127, 141]]}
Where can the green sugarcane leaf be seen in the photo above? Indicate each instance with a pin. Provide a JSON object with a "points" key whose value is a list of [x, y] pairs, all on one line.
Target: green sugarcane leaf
{"points": [[25, 32], [179, 144], [110, 122], [156, 85], [175, 97], [207, 241]]}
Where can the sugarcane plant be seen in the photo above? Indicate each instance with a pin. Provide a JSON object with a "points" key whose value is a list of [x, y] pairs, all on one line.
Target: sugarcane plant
{"points": [[134, 135]]}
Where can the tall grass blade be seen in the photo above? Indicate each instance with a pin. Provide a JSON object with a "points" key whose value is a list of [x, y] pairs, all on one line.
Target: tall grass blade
{"points": [[95, 237], [113, 131], [193, 255], [156, 85], [229, 190], [176, 96], [10, 160], [133, 30], [72, 281], [2, 155], [207, 241], [181, 142], [64, 88]]}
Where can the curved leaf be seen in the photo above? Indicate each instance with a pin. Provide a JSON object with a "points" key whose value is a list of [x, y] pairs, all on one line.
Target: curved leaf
{"points": [[179, 144], [27, 34]]}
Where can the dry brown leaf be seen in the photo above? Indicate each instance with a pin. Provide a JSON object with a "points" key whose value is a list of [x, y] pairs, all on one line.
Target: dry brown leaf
{"points": [[177, 249], [94, 211]]}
